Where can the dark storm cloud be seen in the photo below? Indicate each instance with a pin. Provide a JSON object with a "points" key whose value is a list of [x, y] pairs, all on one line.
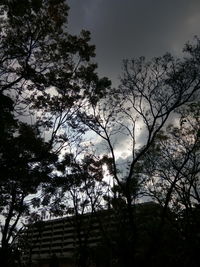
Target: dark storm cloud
{"points": [[131, 28]]}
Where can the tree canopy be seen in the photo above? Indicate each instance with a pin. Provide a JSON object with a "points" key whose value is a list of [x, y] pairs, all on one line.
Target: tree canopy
{"points": [[46, 75]]}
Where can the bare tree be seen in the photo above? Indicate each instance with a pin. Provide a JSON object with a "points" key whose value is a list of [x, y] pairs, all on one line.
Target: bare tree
{"points": [[131, 117]]}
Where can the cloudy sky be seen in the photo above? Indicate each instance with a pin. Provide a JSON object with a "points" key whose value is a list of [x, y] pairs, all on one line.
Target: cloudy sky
{"points": [[130, 28]]}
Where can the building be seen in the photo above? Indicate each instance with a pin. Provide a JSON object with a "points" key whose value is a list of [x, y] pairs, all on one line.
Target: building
{"points": [[59, 242], [93, 238]]}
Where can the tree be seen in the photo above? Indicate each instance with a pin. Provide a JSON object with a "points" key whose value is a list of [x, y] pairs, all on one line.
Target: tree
{"points": [[149, 95], [172, 168], [78, 191], [46, 74], [43, 67], [25, 163]]}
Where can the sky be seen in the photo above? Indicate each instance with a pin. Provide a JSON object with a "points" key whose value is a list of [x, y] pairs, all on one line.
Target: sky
{"points": [[123, 29]]}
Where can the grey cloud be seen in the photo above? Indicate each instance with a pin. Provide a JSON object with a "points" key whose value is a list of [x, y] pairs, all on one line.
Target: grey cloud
{"points": [[131, 28]]}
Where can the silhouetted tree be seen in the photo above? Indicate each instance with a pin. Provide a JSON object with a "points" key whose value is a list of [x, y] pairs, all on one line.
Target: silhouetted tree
{"points": [[44, 67], [149, 95], [78, 190], [172, 167], [47, 74], [25, 163]]}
